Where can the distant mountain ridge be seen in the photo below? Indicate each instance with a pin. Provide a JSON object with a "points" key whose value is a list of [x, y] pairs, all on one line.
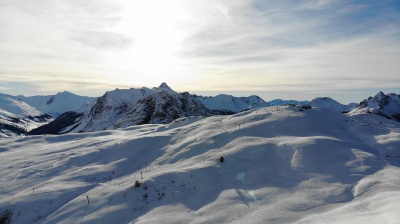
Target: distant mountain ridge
{"points": [[17, 117], [121, 108], [59, 103], [230, 104]]}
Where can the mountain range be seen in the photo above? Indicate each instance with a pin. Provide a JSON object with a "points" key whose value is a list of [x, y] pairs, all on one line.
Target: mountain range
{"points": [[159, 105], [152, 155]]}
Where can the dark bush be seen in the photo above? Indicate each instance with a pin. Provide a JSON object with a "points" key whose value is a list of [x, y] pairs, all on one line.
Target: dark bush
{"points": [[5, 217], [137, 183], [306, 107]]}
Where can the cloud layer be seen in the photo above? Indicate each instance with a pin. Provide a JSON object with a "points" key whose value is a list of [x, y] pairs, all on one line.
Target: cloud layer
{"points": [[311, 46]]}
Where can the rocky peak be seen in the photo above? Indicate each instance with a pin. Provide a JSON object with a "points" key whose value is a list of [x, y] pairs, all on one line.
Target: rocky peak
{"points": [[164, 87], [384, 105]]}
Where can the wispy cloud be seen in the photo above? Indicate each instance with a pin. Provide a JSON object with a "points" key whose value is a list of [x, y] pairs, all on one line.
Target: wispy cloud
{"points": [[280, 45], [297, 44]]}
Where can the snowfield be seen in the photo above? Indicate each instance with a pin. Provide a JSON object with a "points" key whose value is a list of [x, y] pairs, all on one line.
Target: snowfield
{"points": [[281, 165]]}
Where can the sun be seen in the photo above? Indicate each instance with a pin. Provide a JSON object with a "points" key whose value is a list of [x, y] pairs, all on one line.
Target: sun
{"points": [[155, 27]]}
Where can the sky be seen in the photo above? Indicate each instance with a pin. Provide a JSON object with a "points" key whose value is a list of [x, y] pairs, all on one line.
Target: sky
{"points": [[289, 49]]}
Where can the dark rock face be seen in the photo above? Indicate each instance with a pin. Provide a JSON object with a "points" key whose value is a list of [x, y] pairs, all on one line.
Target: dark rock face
{"points": [[58, 125], [163, 108], [11, 128], [40, 118]]}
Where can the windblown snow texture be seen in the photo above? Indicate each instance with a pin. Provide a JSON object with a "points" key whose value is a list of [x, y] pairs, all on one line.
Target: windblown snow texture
{"points": [[281, 165]]}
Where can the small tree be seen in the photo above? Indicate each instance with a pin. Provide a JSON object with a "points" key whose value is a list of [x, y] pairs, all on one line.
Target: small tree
{"points": [[221, 159]]}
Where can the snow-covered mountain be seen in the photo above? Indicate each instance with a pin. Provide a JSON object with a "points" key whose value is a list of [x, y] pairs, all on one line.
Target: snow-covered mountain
{"points": [[228, 104], [163, 107], [110, 107], [17, 117], [279, 166], [59, 103], [381, 104], [329, 103], [125, 107]]}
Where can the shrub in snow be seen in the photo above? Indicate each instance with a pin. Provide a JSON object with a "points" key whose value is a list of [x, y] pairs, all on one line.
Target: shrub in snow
{"points": [[5, 217], [221, 159], [137, 183]]}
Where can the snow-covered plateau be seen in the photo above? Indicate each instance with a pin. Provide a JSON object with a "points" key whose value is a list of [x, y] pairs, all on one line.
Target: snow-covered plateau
{"points": [[282, 164]]}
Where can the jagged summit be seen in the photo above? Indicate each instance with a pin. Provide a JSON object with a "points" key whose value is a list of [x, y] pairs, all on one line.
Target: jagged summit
{"points": [[164, 87], [380, 95]]}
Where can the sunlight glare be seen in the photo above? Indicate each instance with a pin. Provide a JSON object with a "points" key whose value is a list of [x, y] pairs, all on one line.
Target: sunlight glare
{"points": [[154, 28]]}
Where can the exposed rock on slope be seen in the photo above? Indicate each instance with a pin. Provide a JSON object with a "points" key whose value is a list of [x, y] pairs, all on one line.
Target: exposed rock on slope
{"points": [[381, 104], [162, 108], [59, 125], [111, 107], [121, 108]]}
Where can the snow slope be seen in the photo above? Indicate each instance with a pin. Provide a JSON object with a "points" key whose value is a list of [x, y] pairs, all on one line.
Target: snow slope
{"points": [[17, 117], [60, 103], [280, 166], [17, 107]]}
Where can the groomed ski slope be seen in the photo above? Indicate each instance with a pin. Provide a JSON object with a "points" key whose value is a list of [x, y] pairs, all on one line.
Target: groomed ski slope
{"points": [[280, 166]]}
